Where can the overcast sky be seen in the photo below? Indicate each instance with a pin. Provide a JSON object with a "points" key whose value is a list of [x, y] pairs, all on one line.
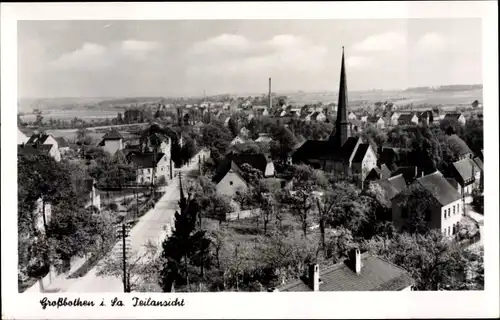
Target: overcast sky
{"points": [[174, 58]]}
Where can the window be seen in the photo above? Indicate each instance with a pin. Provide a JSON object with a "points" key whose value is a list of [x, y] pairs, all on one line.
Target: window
{"points": [[230, 183], [449, 212], [458, 207], [454, 210]]}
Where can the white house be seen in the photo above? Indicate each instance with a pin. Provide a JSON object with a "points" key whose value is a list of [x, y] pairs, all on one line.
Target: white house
{"points": [[146, 162], [407, 119], [444, 209], [351, 116], [112, 141], [363, 162], [237, 140], [44, 143], [21, 137], [263, 137]]}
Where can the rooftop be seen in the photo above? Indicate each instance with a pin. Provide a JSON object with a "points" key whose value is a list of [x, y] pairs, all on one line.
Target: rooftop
{"points": [[438, 187], [376, 274]]}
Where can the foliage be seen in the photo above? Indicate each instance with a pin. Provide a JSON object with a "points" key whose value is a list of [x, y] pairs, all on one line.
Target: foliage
{"points": [[434, 262], [415, 204]]}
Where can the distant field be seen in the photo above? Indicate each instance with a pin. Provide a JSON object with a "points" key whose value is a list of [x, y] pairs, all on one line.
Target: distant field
{"points": [[461, 98], [81, 113]]}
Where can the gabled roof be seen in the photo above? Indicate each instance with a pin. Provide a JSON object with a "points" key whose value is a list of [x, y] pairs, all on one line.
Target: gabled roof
{"points": [[409, 172], [199, 124], [465, 167], [355, 122], [452, 116], [38, 138], [390, 191], [61, 142], [385, 172], [348, 148], [235, 161], [459, 144], [360, 153], [376, 274], [398, 182], [34, 149], [479, 163], [374, 119], [406, 117], [439, 188], [112, 135], [145, 160]]}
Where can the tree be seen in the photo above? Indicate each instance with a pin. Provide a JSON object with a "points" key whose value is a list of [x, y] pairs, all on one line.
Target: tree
{"points": [[184, 244], [233, 127], [433, 262], [299, 201], [415, 203], [215, 138]]}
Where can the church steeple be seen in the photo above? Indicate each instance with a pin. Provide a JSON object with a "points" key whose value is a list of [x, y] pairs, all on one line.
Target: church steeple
{"points": [[341, 125]]}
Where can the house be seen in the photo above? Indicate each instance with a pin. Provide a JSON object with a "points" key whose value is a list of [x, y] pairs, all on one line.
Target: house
{"points": [[363, 162], [62, 144], [468, 175], [458, 117], [37, 149], [355, 125], [21, 137], [376, 121], [87, 188], [407, 119], [444, 207], [317, 116], [352, 116], [360, 272], [237, 140], [379, 173], [112, 141], [226, 121], [459, 146], [44, 143], [425, 117], [229, 177], [263, 137], [391, 187], [146, 162], [335, 154], [410, 173], [394, 119]]}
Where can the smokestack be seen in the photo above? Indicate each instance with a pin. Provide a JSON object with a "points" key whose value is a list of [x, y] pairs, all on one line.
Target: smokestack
{"points": [[270, 98], [313, 277]]}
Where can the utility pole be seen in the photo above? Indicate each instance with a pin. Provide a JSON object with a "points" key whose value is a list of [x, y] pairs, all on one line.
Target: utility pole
{"points": [[123, 234]]}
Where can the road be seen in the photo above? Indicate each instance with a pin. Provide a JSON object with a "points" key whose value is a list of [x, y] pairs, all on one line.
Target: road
{"points": [[152, 227]]}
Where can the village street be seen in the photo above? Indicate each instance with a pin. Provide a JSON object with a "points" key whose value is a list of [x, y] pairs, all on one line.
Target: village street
{"points": [[152, 227]]}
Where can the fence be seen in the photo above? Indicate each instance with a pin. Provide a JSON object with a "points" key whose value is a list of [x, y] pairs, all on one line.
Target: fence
{"points": [[242, 214]]}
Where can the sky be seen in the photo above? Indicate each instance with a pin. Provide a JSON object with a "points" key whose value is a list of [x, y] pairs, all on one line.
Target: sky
{"points": [[190, 57]]}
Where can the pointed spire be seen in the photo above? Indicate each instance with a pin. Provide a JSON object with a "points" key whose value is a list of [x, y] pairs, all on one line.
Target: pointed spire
{"points": [[341, 131]]}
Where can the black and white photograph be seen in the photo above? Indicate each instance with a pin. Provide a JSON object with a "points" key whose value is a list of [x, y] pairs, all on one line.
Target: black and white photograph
{"points": [[250, 155]]}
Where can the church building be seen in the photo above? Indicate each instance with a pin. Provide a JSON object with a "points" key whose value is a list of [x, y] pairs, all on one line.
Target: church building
{"points": [[343, 153]]}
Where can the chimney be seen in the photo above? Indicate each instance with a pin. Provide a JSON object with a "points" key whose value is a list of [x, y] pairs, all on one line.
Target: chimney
{"points": [[356, 260], [270, 98], [313, 277]]}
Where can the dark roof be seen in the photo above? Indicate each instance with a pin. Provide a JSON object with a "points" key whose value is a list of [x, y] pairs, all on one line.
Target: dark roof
{"points": [[453, 182], [37, 138], [348, 147], [479, 163], [438, 187], [397, 182], [235, 161], [112, 135], [452, 116], [389, 189], [406, 117], [385, 172], [464, 168], [376, 274], [373, 119], [61, 142], [355, 122], [34, 149], [145, 160], [311, 149], [360, 152], [458, 144], [409, 172]]}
